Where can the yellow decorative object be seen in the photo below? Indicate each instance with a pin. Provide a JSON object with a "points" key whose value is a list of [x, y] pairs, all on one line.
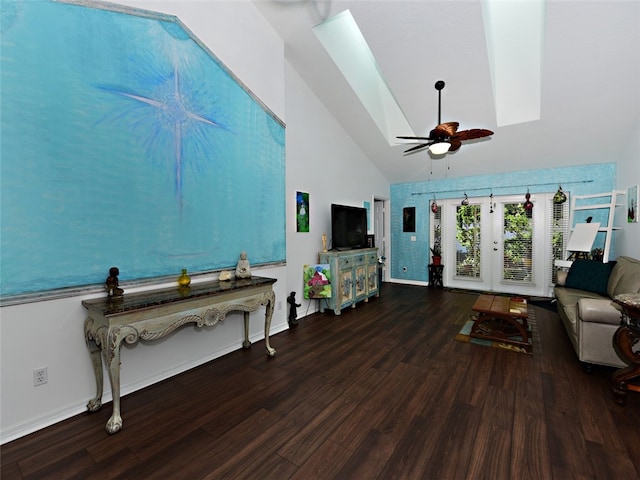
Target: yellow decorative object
{"points": [[184, 280]]}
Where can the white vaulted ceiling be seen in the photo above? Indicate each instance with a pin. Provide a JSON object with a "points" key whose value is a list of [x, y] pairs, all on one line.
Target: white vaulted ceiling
{"points": [[589, 80]]}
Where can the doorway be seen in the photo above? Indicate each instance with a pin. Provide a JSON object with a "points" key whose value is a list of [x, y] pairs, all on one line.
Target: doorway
{"points": [[496, 244], [380, 228]]}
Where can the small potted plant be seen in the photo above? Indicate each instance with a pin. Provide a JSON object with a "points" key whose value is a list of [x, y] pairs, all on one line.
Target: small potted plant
{"points": [[436, 254]]}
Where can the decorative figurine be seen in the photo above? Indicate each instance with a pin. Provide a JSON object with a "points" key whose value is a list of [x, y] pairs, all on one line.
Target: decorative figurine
{"points": [[324, 242], [293, 309], [528, 205], [184, 279], [224, 276], [243, 269], [111, 285]]}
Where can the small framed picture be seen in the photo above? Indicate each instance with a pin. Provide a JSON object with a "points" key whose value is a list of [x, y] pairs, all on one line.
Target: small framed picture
{"points": [[302, 212], [409, 219], [632, 204]]}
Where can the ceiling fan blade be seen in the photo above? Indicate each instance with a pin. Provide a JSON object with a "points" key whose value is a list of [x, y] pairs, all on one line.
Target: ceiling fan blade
{"points": [[455, 145], [417, 147], [415, 138], [448, 128], [471, 134]]}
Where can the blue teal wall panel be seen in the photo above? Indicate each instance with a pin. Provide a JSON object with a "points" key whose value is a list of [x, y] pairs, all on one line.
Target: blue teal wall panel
{"points": [[415, 255], [125, 142]]}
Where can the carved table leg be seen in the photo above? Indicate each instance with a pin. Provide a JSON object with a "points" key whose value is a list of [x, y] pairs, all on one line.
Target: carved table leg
{"points": [[270, 300], [112, 359], [246, 343], [624, 340], [93, 346]]}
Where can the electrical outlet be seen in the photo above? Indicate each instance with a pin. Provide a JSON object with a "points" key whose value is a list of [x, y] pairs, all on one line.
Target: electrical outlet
{"points": [[40, 376], [279, 304]]}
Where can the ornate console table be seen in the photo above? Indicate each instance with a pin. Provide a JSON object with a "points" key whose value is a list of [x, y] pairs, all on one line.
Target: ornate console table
{"points": [[155, 314]]}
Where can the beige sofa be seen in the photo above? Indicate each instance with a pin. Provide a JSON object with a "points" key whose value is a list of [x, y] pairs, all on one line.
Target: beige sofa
{"points": [[584, 295]]}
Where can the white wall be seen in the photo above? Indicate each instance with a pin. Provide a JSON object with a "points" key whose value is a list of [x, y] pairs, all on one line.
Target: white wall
{"points": [[321, 160], [628, 239]]}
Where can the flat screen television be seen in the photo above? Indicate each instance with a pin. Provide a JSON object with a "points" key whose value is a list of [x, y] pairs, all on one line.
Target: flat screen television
{"points": [[348, 227]]}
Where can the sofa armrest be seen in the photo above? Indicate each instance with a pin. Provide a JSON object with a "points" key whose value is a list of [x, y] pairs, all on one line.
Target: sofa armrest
{"points": [[599, 310]]}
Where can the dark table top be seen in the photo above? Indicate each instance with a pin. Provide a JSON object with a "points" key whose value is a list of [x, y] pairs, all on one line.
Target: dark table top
{"points": [[154, 298]]}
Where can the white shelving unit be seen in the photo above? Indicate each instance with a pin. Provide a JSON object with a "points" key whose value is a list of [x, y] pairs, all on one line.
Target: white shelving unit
{"points": [[605, 202]]}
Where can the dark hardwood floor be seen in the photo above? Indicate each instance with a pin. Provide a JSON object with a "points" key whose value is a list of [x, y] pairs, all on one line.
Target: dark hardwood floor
{"points": [[381, 392]]}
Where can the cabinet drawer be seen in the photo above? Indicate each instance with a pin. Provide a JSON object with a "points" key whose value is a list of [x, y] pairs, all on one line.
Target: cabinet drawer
{"points": [[358, 260]]}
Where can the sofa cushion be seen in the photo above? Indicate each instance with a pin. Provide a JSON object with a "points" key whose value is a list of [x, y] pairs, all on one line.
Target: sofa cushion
{"points": [[599, 310], [589, 275], [625, 277]]}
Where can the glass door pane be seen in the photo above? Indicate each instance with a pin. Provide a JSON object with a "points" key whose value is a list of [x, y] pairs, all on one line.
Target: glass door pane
{"points": [[517, 241], [467, 242]]}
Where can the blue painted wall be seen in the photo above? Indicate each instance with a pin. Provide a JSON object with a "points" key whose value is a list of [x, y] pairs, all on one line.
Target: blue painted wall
{"points": [[415, 255]]}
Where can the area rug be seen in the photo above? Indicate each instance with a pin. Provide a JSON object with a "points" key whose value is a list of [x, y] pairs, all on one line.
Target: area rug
{"points": [[463, 335]]}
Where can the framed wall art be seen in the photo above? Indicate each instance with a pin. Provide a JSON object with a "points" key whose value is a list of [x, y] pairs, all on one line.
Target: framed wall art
{"points": [[126, 142], [409, 219], [302, 212], [632, 204], [317, 281]]}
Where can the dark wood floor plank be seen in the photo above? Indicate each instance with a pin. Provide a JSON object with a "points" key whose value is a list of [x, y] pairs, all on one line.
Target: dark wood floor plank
{"points": [[492, 450], [110, 467], [381, 391], [530, 447], [324, 463], [369, 458], [452, 452], [60, 468], [410, 458]]}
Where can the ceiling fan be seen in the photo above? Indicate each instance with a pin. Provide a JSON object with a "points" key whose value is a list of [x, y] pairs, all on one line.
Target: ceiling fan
{"points": [[445, 137]]}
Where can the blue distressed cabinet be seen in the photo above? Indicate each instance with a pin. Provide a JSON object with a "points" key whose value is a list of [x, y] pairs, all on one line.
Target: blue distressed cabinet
{"points": [[354, 277]]}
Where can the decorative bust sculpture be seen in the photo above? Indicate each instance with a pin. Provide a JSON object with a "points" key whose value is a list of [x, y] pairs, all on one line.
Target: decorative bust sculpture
{"points": [[243, 269]]}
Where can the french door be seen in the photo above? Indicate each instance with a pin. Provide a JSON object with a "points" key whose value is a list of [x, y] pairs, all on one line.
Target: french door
{"points": [[496, 244]]}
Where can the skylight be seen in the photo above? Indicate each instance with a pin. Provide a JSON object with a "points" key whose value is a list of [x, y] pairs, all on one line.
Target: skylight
{"points": [[348, 48], [514, 33], [515, 36]]}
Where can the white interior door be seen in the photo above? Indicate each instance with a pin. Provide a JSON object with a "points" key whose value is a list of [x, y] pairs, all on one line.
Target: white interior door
{"points": [[380, 229], [494, 244]]}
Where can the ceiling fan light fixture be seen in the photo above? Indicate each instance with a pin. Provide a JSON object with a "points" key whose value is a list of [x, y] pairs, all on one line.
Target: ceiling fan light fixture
{"points": [[440, 148]]}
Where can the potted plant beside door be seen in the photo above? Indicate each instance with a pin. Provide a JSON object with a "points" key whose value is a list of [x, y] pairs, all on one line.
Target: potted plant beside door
{"points": [[436, 254]]}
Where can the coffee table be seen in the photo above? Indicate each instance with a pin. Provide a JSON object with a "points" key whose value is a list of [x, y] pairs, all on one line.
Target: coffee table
{"points": [[502, 319]]}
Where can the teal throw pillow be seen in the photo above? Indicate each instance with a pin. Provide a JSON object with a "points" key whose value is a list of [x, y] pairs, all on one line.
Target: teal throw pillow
{"points": [[589, 275]]}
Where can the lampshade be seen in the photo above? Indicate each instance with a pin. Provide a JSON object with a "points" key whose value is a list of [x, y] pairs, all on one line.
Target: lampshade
{"points": [[440, 148]]}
